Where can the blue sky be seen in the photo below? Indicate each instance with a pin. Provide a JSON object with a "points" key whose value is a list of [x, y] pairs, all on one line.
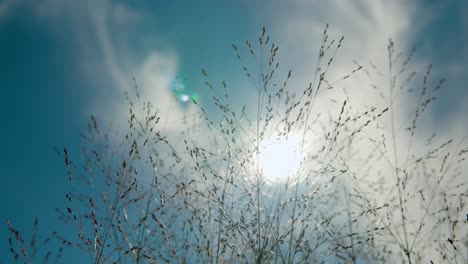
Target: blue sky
{"points": [[61, 61]]}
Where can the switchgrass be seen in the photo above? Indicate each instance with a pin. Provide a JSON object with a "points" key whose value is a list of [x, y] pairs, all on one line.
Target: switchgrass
{"points": [[364, 192]]}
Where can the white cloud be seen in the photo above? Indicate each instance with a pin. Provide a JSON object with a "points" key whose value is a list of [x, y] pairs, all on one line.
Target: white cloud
{"points": [[155, 73], [367, 25], [99, 15], [102, 29], [155, 78]]}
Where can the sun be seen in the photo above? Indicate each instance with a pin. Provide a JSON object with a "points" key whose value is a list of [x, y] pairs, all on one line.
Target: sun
{"points": [[280, 157]]}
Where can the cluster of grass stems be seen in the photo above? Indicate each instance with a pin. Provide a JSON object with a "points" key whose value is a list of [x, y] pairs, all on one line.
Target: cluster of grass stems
{"points": [[146, 195]]}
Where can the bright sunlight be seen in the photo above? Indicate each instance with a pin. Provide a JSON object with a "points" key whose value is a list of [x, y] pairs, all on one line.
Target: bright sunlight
{"points": [[280, 157]]}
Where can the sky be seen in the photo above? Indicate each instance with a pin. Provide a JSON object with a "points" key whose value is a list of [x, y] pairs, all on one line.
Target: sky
{"points": [[61, 61]]}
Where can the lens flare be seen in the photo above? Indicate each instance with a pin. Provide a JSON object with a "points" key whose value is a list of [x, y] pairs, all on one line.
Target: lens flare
{"points": [[182, 92], [184, 98]]}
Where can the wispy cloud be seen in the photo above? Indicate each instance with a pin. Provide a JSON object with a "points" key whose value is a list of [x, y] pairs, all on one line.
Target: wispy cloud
{"points": [[101, 21], [96, 23], [154, 74], [366, 25]]}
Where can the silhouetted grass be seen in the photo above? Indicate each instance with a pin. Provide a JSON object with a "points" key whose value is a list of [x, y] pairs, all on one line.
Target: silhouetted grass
{"points": [[364, 191]]}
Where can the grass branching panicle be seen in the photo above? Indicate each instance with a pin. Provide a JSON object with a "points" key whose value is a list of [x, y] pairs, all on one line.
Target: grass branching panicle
{"points": [[364, 189]]}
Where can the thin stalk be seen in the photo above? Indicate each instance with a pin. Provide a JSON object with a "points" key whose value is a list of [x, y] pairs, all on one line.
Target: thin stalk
{"points": [[222, 205], [350, 225], [395, 156], [258, 180]]}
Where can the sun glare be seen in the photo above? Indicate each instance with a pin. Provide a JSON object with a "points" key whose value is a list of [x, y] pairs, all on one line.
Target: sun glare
{"points": [[280, 157]]}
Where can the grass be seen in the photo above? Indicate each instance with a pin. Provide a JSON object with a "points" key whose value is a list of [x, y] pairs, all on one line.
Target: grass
{"points": [[366, 190]]}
